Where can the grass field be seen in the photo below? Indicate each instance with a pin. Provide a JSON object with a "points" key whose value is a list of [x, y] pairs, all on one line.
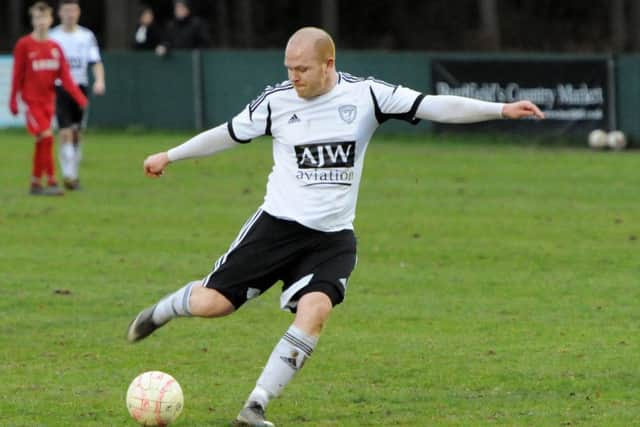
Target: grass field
{"points": [[497, 284]]}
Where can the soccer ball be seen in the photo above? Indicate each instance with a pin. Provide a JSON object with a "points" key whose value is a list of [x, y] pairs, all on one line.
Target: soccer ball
{"points": [[154, 398], [598, 139], [616, 140]]}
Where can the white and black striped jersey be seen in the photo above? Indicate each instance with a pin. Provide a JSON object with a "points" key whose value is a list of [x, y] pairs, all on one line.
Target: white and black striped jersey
{"points": [[319, 145], [80, 47]]}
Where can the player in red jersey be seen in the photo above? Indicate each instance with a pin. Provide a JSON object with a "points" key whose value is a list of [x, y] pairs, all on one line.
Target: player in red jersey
{"points": [[38, 62]]}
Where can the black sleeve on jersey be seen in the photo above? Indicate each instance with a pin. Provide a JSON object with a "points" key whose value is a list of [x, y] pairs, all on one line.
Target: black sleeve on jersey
{"points": [[233, 134], [267, 129], [409, 116]]}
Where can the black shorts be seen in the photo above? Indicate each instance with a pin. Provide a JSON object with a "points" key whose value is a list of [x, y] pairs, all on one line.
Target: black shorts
{"points": [[68, 112], [269, 249]]}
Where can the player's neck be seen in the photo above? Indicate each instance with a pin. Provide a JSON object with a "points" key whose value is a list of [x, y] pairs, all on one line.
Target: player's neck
{"points": [[40, 35], [70, 28], [333, 80], [331, 83]]}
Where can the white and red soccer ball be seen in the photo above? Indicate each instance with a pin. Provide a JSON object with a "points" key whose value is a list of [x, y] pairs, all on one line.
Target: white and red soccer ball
{"points": [[598, 139], [615, 140], [154, 398]]}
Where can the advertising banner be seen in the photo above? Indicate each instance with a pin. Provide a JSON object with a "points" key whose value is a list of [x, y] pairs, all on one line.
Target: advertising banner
{"points": [[576, 95], [6, 119]]}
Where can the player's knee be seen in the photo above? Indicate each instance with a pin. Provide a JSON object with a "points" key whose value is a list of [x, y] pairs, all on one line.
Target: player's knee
{"points": [[206, 302], [66, 135], [313, 311]]}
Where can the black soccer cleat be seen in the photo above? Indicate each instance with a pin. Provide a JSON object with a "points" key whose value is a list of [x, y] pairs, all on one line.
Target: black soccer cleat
{"points": [[252, 415], [52, 190], [49, 190], [142, 326], [35, 190], [71, 184]]}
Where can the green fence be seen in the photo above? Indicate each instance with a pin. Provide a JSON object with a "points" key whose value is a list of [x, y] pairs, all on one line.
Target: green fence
{"points": [[195, 90], [201, 89], [146, 90], [628, 95]]}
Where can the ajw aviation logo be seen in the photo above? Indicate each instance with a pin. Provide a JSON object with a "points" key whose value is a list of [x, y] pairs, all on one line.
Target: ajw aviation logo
{"points": [[326, 163], [326, 155]]}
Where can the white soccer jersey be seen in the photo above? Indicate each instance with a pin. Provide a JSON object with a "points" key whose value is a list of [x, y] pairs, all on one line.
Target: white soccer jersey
{"points": [[319, 145], [80, 47]]}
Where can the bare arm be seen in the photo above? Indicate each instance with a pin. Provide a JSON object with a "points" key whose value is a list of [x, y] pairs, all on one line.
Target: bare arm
{"points": [[99, 86]]}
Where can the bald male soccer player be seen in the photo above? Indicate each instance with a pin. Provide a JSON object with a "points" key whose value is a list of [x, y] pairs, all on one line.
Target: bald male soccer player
{"points": [[321, 121]]}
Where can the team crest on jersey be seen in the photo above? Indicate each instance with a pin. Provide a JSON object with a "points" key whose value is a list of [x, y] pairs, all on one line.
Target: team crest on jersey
{"points": [[55, 53], [348, 113]]}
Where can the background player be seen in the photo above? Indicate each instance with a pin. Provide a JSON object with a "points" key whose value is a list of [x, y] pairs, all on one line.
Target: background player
{"points": [[81, 50], [38, 62], [321, 122]]}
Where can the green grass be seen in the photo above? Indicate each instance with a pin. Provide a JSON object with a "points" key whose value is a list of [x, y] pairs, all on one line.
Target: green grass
{"points": [[497, 284]]}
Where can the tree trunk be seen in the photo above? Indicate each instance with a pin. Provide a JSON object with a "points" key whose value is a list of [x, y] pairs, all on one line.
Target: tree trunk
{"points": [[618, 25], [635, 23], [489, 23], [120, 18], [15, 19], [222, 23], [330, 17], [245, 14]]}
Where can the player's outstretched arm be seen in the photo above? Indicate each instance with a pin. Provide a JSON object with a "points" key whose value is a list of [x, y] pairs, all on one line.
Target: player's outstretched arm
{"points": [[458, 109], [204, 144]]}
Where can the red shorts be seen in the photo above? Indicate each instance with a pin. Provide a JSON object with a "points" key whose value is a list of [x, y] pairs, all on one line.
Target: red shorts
{"points": [[39, 117]]}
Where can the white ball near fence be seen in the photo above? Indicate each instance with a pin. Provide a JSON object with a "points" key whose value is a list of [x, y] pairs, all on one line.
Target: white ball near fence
{"points": [[617, 140]]}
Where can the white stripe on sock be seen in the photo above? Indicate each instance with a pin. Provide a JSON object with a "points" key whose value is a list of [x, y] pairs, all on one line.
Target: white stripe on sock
{"points": [[287, 358], [174, 305]]}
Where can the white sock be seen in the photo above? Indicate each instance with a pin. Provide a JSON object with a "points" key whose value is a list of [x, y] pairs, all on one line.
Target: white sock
{"points": [[78, 148], [287, 358], [174, 305], [67, 154], [77, 157]]}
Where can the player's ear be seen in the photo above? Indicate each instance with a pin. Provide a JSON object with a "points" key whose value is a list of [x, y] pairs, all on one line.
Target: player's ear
{"points": [[331, 63]]}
